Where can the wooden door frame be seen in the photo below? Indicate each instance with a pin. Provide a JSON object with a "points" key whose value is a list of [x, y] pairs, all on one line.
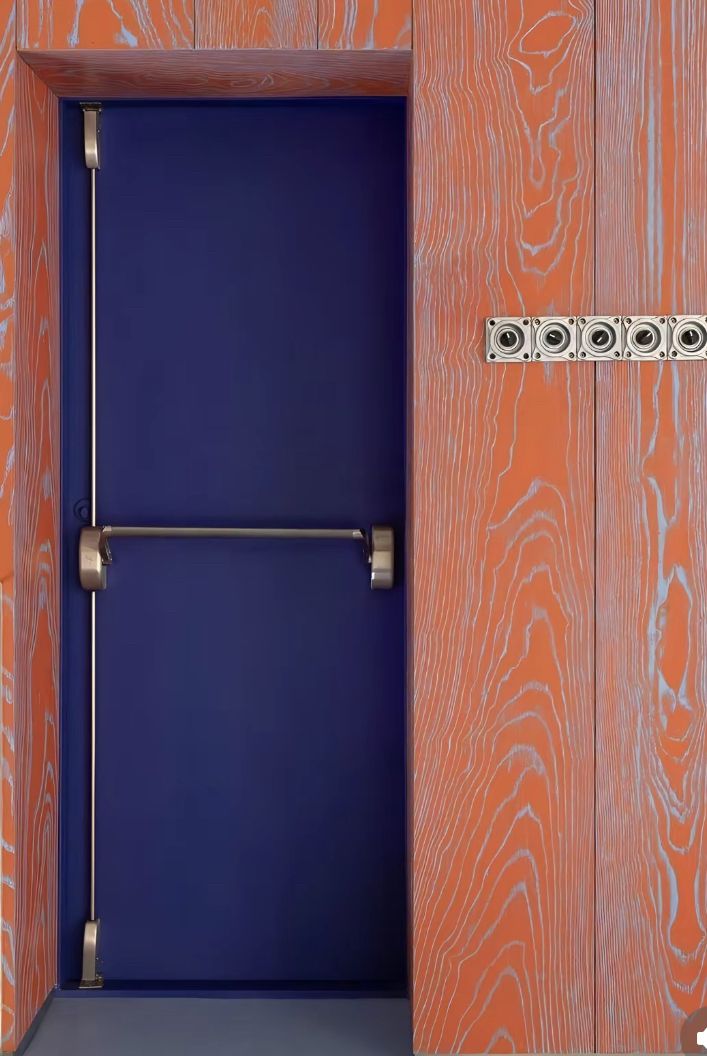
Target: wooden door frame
{"points": [[31, 639]]}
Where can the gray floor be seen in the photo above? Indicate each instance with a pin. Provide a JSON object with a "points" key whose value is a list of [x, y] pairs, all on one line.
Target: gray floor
{"points": [[117, 1026]]}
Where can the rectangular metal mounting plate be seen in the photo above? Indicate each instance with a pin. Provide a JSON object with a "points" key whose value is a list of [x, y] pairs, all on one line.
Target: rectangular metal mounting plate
{"points": [[554, 338], [645, 337], [520, 338], [508, 339], [688, 337], [600, 337]]}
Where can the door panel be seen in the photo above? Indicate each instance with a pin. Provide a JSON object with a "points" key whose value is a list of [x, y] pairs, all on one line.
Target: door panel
{"points": [[251, 807]]}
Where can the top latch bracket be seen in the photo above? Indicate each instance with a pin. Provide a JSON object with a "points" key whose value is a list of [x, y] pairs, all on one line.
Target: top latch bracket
{"points": [[92, 134]]}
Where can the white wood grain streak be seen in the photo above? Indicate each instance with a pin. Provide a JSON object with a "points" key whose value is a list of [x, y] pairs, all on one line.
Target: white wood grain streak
{"points": [[256, 24], [55, 24], [365, 23]]}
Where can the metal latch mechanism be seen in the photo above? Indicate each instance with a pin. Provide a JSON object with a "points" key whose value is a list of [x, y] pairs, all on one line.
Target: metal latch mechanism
{"points": [[95, 555], [92, 134], [94, 558], [90, 976]]}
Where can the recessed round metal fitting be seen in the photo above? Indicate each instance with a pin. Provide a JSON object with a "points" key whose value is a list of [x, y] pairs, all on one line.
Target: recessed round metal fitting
{"points": [[555, 338], [689, 337], [600, 336], [507, 338], [645, 337]]}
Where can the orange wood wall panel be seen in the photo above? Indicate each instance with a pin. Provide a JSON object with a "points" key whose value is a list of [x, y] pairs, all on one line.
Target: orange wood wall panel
{"points": [[502, 494], [8, 848], [365, 23], [56, 24], [29, 540], [37, 549], [651, 531], [256, 23]]}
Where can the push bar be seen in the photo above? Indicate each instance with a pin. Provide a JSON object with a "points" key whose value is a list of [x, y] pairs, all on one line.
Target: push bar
{"points": [[95, 555]]}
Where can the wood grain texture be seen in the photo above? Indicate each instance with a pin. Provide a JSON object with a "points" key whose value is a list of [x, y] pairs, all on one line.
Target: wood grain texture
{"points": [[256, 23], [37, 555], [8, 855], [652, 527], [222, 74], [55, 24], [502, 534], [365, 23], [9, 829]]}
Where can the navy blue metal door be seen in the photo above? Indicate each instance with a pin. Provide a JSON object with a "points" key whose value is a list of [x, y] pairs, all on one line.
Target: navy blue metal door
{"points": [[251, 351]]}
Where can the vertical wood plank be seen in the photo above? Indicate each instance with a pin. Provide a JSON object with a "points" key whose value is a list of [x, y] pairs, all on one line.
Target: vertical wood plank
{"points": [[365, 23], [8, 855], [37, 555], [502, 533], [256, 24], [8, 844], [56, 24], [652, 527]]}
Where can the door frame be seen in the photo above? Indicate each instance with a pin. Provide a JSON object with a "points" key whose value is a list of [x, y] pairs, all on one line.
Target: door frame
{"points": [[30, 598]]}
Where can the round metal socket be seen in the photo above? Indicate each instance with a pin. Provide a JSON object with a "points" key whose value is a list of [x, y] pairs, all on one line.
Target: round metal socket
{"points": [[645, 337], [600, 337], [554, 338], [507, 339], [689, 337]]}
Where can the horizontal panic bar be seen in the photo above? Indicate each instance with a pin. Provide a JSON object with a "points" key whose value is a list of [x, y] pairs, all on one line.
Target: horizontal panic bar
{"points": [[236, 533], [95, 556]]}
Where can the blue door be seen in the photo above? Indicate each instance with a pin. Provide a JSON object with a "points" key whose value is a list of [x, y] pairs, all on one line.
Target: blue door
{"points": [[251, 693]]}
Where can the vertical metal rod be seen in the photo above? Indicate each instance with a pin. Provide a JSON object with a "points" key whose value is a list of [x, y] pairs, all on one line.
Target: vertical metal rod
{"points": [[93, 525], [93, 757], [93, 348], [90, 977]]}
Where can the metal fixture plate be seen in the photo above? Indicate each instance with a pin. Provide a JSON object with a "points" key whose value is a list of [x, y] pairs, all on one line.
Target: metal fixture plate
{"points": [[94, 557], [90, 978], [645, 337], [508, 339], [554, 337], [92, 134], [518, 339], [382, 557], [600, 337], [688, 337]]}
